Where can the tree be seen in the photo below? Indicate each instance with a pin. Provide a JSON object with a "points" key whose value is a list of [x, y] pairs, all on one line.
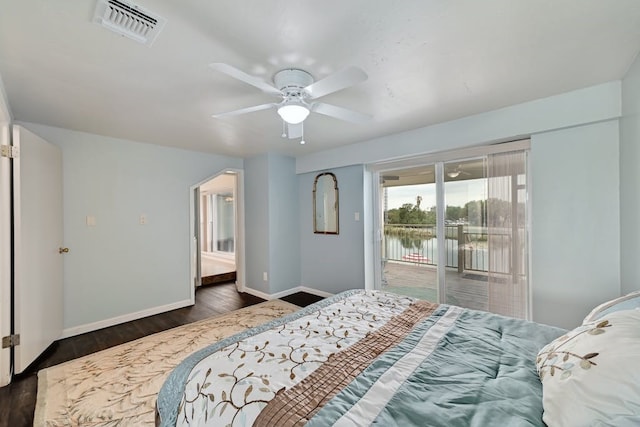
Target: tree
{"points": [[455, 213], [407, 214]]}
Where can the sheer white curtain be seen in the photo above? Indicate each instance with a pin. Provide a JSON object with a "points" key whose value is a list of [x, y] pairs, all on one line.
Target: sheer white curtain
{"points": [[507, 234]]}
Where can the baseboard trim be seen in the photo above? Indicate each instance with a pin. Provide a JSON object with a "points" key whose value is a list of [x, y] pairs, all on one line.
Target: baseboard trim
{"points": [[288, 292], [313, 291], [90, 327]]}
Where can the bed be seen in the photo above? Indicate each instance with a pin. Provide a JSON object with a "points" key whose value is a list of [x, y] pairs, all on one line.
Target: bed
{"points": [[370, 357]]}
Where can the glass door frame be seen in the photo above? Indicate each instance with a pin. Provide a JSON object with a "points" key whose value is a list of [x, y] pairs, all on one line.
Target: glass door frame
{"points": [[440, 231], [437, 159]]}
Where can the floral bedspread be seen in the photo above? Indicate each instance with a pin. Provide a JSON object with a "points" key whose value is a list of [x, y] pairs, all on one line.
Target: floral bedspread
{"points": [[359, 358]]}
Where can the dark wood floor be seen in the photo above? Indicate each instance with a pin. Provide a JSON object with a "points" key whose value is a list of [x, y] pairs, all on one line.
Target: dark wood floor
{"points": [[18, 399]]}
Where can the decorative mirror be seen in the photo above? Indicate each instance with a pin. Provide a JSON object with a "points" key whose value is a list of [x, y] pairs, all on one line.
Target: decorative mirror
{"points": [[325, 204]]}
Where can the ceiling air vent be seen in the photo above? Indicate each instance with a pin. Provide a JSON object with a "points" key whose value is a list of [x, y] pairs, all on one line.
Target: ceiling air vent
{"points": [[129, 20]]}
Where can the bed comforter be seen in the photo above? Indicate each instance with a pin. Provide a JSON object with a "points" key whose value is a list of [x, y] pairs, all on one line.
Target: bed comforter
{"points": [[361, 358]]}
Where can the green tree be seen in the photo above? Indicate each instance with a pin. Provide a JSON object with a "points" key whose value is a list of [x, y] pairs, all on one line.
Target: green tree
{"points": [[407, 214], [455, 213], [430, 216]]}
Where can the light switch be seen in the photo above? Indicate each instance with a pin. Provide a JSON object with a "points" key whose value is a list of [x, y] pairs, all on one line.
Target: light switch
{"points": [[91, 220], [356, 216]]}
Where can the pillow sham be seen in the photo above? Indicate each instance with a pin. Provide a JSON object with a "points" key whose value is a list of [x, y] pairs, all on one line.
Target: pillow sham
{"points": [[625, 302], [590, 376]]}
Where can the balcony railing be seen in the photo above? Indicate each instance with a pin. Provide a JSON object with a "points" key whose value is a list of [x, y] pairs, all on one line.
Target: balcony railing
{"points": [[466, 247]]}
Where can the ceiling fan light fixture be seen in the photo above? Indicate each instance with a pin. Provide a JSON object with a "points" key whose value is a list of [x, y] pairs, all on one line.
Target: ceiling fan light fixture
{"points": [[293, 113], [453, 174]]}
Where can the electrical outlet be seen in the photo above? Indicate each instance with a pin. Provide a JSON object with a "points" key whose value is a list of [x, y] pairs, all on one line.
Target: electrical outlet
{"points": [[143, 219]]}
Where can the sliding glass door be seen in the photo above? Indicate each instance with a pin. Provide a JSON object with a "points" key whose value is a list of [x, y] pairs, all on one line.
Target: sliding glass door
{"points": [[465, 235], [409, 244], [455, 231], [507, 214]]}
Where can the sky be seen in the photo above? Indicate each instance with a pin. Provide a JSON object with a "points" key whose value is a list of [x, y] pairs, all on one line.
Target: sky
{"points": [[457, 193]]}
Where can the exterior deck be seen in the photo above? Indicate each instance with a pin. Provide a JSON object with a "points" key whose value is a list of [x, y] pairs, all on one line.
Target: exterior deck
{"points": [[466, 289]]}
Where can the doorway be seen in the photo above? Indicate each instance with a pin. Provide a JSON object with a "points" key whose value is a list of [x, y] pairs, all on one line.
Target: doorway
{"points": [[454, 229], [217, 231], [413, 249]]}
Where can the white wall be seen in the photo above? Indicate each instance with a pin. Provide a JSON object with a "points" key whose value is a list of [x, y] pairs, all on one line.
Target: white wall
{"points": [[576, 226], [548, 116], [630, 180], [334, 263], [119, 269]]}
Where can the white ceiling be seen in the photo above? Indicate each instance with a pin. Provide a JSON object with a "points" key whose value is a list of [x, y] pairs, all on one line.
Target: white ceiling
{"points": [[428, 61]]}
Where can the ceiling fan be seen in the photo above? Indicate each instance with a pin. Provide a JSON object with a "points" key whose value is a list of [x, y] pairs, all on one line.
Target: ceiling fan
{"points": [[457, 171], [298, 91]]}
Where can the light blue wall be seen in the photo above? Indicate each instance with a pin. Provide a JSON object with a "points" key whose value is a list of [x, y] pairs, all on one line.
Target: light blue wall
{"points": [[256, 222], [592, 104], [284, 241], [334, 263], [119, 267], [630, 180], [576, 225], [271, 223], [545, 120]]}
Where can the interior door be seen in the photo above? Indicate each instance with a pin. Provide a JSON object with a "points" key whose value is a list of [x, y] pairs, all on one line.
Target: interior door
{"points": [[5, 251], [38, 225]]}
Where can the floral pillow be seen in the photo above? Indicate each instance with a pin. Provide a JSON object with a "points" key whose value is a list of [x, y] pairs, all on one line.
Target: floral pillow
{"points": [[591, 375], [625, 302]]}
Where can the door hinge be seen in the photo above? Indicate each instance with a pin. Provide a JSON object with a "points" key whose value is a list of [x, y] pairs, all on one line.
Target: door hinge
{"points": [[10, 341], [9, 151]]}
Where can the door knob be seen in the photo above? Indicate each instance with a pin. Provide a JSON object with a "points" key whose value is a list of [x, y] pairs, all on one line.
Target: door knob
{"points": [[63, 250]]}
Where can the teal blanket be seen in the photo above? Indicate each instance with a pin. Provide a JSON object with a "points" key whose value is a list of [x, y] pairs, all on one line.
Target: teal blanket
{"points": [[363, 358]]}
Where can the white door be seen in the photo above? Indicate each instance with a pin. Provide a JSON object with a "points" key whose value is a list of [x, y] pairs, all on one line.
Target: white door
{"points": [[38, 222], [5, 252]]}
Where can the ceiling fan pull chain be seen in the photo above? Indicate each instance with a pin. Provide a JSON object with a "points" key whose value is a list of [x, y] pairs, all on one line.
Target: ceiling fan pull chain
{"points": [[284, 133], [302, 141]]}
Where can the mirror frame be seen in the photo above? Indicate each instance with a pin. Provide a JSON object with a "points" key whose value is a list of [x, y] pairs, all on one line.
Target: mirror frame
{"points": [[336, 210]]}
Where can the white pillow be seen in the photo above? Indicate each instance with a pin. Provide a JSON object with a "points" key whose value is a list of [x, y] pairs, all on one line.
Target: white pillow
{"points": [[591, 375], [626, 302]]}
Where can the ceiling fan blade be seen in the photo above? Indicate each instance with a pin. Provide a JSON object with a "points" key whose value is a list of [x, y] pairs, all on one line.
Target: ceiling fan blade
{"points": [[336, 81], [340, 113], [244, 77], [294, 131], [244, 110]]}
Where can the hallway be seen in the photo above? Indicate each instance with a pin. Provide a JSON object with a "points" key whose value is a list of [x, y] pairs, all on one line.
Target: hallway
{"points": [[215, 270]]}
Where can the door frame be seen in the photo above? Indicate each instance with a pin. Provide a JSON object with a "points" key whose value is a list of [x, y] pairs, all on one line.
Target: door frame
{"points": [[194, 230], [439, 158], [6, 244]]}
